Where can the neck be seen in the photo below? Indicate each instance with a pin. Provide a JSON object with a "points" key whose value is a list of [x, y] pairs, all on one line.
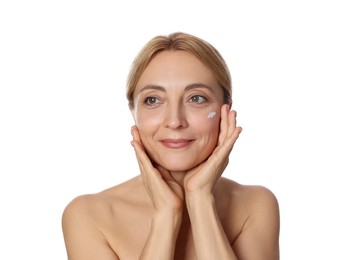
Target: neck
{"points": [[178, 176]]}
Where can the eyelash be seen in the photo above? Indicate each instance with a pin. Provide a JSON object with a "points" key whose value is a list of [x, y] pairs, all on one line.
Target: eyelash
{"points": [[148, 100], [200, 97]]}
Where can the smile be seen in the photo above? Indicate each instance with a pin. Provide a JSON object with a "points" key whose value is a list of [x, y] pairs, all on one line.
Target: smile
{"points": [[176, 143]]}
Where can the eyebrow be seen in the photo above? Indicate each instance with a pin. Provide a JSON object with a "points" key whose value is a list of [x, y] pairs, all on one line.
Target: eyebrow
{"points": [[188, 87], [198, 85], [151, 86]]}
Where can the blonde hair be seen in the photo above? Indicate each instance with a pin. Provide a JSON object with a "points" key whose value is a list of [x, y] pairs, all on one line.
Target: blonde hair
{"points": [[201, 49]]}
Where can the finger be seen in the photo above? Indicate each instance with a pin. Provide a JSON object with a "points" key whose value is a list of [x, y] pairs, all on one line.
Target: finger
{"points": [[143, 159], [230, 141], [166, 175], [136, 135], [223, 124], [138, 153], [225, 148], [231, 122], [137, 145], [144, 162]]}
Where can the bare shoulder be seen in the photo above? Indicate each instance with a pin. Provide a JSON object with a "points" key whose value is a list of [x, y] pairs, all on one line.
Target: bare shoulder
{"points": [[98, 205], [250, 195], [260, 203], [247, 204], [259, 197], [82, 206], [263, 206], [89, 220], [256, 208], [84, 214], [82, 235]]}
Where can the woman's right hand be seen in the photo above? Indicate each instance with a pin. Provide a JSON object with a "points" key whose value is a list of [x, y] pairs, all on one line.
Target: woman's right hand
{"points": [[168, 200], [164, 192]]}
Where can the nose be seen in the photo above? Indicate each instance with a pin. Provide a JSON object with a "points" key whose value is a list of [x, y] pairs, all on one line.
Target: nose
{"points": [[175, 117]]}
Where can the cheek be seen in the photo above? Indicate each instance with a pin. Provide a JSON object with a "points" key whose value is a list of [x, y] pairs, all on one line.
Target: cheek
{"points": [[145, 132], [148, 124], [208, 122], [146, 120], [205, 121]]}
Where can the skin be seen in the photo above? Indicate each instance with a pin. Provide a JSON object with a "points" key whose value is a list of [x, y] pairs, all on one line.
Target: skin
{"points": [[179, 206]]}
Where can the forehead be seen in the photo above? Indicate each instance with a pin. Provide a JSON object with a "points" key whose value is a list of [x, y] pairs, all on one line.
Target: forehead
{"points": [[172, 69]]}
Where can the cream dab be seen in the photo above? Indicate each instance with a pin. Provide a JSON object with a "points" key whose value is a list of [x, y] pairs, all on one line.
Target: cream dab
{"points": [[211, 115]]}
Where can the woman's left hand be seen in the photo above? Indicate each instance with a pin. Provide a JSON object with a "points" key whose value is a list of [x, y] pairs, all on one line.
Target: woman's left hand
{"points": [[204, 176]]}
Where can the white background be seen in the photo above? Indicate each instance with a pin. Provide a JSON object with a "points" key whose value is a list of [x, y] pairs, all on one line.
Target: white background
{"points": [[297, 69]]}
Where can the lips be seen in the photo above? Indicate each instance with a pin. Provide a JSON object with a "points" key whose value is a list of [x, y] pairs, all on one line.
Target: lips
{"points": [[176, 143]]}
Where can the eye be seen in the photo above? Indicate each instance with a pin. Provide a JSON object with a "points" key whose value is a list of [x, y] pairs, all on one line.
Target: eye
{"points": [[198, 99], [150, 101]]}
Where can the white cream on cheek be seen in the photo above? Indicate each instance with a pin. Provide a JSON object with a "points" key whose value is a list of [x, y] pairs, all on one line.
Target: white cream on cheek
{"points": [[211, 115]]}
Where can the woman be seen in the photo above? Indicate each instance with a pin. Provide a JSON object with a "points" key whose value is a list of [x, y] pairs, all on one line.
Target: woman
{"points": [[179, 206]]}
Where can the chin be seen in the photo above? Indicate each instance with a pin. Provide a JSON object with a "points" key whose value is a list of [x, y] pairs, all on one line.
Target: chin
{"points": [[177, 166]]}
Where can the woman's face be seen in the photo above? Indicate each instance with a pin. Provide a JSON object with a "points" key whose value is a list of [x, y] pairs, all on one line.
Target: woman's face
{"points": [[177, 110]]}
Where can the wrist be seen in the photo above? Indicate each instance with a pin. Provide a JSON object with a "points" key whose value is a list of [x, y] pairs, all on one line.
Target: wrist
{"points": [[199, 199], [167, 218]]}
